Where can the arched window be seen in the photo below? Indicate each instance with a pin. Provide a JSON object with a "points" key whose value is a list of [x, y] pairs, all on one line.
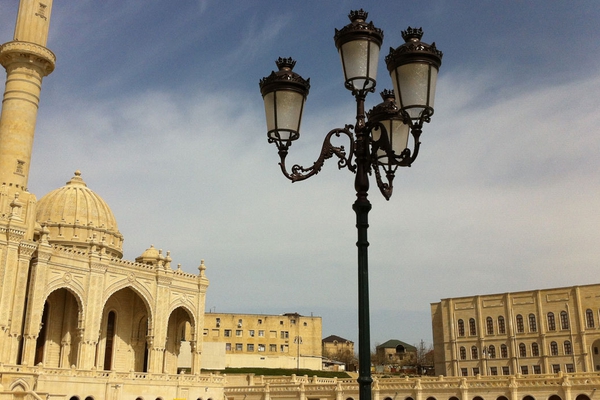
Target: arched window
{"points": [[522, 350], [474, 353], [520, 328], [492, 351], [582, 397], [501, 325], [553, 348], [554, 397], [551, 322], [532, 323], [477, 398], [461, 327], [535, 350], [463, 353], [589, 318], [503, 351], [528, 398], [502, 398], [110, 336], [564, 320], [489, 323], [472, 328], [567, 347]]}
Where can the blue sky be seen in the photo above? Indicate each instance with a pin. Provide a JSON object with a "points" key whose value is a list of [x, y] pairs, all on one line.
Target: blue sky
{"points": [[157, 103]]}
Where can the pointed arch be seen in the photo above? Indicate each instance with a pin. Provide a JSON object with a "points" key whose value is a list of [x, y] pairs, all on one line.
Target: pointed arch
{"points": [[143, 292], [19, 385], [76, 290]]}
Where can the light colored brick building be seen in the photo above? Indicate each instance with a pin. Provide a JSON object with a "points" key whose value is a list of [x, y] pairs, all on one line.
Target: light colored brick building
{"points": [[531, 332], [258, 340]]}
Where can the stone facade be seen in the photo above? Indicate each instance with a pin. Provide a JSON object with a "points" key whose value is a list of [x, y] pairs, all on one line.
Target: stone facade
{"points": [[532, 332], [258, 340], [76, 320]]}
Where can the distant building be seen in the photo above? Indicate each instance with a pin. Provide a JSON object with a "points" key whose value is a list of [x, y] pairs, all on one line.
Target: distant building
{"points": [[259, 340], [396, 352], [338, 350], [532, 332]]}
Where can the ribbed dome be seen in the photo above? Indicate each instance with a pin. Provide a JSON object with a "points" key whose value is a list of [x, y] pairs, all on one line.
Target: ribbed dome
{"points": [[78, 217]]}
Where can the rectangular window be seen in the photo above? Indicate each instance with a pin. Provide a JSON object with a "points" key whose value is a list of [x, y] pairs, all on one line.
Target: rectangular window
{"points": [[293, 322], [251, 333], [524, 370], [493, 370], [537, 369], [570, 367], [475, 371], [261, 333], [505, 371], [250, 347], [285, 334], [589, 317], [238, 332], [556, 368], [239, 347], [261, 347], [218, 322], [464, 372], [284, 348], [227, 346], [227, 333], [273, 348], [215, 333], [273, 334]]}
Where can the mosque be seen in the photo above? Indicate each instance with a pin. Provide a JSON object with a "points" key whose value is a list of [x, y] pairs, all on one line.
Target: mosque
{"points": [[68, 300]]}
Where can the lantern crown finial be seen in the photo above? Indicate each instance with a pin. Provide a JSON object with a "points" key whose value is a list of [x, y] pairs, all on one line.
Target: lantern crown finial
{"points": [[356, 15], [412, 34], [285, 64]]}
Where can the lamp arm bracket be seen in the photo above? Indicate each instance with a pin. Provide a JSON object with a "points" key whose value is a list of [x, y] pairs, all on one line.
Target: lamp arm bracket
{"points": [[328, 150]]}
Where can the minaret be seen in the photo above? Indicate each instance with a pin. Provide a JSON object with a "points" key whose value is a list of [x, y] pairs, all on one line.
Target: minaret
{"points": [[27, 61]]}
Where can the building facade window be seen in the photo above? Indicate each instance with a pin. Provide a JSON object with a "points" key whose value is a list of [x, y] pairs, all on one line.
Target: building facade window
{"points": [[505, 371], [503, 351], [567, 347], [564, 320], [250, 347], [261, 347], [472, 327], [532, 323], [227, 333], [238, 332], [492, 351], [537, 369], [589, 318], [251, 333], [464, 372], [570, 367], [273, 348], [284, 348], [553, 349], [501, 325], [475, 371], [522, 350], [261, 333], [535, 350], [493, 370], [474, 353], [285, 334], [520, 328], [461, 327], [227, 346], [551, 322], [524, 370], [463, 353], [489, 323], [239, 347], [556, 368]]}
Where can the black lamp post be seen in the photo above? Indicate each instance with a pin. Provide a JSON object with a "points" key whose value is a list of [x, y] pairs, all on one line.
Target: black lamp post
{"points": [[378, 140]]}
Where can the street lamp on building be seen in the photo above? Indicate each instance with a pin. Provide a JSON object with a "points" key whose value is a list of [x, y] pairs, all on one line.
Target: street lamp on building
{"points": [[378, 141]]}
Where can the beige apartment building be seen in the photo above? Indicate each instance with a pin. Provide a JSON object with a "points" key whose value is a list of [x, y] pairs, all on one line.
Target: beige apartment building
{"points": [[543, 331], [257, 340]]}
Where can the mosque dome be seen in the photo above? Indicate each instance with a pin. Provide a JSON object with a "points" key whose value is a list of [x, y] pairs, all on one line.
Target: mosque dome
{"points": [[77, 217]]}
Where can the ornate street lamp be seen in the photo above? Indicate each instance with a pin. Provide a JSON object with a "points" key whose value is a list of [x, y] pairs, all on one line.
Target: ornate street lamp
{"points": [[379, 141]]}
